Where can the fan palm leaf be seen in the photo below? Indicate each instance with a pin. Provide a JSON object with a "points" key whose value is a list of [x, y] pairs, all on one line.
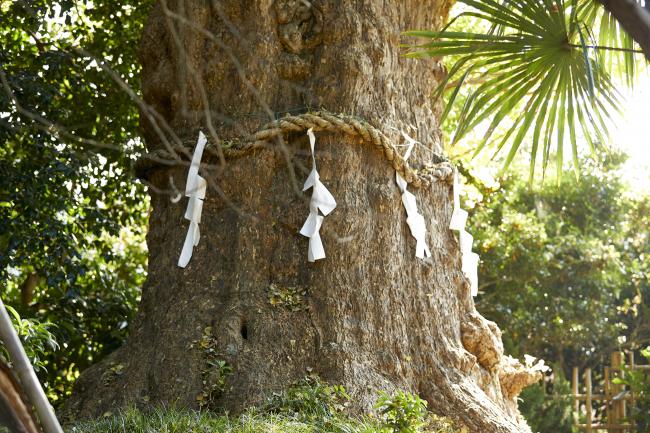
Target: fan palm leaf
{"points": [[543, 75]]}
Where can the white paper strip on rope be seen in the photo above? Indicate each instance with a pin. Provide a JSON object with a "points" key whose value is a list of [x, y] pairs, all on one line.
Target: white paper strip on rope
{"points": [[414, 219], [321, 199], [469, 259], [195, 189]]}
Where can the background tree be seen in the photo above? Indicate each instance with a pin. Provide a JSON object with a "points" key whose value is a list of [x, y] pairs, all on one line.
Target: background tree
{"points": [[563, 273], [563, 269], [71, 217]]}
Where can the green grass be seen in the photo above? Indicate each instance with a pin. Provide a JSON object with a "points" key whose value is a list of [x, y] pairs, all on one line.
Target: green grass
{"points": [[164, 420], [177, 421], [307, 406]]}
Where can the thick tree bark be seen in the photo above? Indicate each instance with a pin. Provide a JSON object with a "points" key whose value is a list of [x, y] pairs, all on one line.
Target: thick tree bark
{"points": [[370, 316]]}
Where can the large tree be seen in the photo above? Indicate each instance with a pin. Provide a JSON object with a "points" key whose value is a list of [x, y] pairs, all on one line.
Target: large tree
{"points": [[249, 314]]}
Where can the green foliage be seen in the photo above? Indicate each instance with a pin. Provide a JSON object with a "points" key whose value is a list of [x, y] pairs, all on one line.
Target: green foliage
{"points": [[69, 133], [317, 403], [309, 400], [403, 412], [548, 406], [36, 337], [70, 211], [638, 382], [563, 270], [537, 73]]}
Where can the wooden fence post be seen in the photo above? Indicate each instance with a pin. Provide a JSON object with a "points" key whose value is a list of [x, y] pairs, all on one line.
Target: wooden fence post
{"points": [[607, 389], [617, 406], [575, 388], [588, 407], [614, 396], [632, 366]]}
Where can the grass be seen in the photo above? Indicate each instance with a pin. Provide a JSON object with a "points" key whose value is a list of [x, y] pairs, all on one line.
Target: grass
{"points": [[308, 406], [164, 420]]}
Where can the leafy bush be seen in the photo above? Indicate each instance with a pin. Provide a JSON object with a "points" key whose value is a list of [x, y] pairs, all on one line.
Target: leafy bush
{"points": [[91, 312], [36, 337], [69, 136], [403, 412], [547, 406]]}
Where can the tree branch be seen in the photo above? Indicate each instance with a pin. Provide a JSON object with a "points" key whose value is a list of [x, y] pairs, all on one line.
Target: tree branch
{"points": [[634, 18]]}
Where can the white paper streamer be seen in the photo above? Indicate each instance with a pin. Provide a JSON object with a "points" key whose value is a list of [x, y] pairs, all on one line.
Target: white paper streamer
{"points": [[195, 189], [469, 259], [414, 219], [321, 199]]}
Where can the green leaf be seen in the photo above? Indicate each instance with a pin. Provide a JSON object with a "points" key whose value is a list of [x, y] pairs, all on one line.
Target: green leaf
{"points": [[536, 69]]}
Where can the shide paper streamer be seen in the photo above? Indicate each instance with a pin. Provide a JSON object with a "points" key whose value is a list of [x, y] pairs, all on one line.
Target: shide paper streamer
{"points": [[321, 199], [194, 189], [468, 258], [414, 219], [323, 203]]}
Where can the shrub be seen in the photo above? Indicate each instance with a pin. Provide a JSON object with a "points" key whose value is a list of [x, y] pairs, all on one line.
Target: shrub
{"points": [[403, 412], [548, 406]]}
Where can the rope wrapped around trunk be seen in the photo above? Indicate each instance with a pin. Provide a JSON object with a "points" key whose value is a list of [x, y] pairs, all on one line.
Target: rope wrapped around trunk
{"points": [[321, 121]]}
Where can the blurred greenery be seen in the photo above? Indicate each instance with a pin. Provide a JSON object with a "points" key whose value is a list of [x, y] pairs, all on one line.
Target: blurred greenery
{"points": [[547, 406], [564, 271], [563, 268], [72, 217]]}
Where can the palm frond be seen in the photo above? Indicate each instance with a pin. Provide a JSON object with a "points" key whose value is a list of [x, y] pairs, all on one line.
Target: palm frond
{"points": [[545, 77]]}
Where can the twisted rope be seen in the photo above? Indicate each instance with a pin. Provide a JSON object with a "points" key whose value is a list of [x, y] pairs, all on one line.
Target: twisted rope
{"points": [[321, 122]]}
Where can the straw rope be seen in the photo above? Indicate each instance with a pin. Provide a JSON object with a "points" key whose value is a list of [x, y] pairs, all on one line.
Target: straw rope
{"points": [[320, 122]]}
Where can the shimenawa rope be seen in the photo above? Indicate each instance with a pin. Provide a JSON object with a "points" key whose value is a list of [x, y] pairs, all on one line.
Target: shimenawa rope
{"points": [[321, 121]]}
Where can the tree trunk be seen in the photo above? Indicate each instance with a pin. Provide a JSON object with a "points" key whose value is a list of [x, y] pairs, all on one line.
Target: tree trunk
{"points": [[249, 315]]}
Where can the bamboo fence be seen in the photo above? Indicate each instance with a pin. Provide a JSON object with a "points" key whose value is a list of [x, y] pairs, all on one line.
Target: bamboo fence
{"points": [[613, 401]]}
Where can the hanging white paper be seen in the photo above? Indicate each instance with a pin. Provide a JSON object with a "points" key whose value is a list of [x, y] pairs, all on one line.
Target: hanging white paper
{"points": [[459, 216], [195, 189], [466, 241], [470, 269], [414, 219], [321, 200], [469, 260], [458, 219]]}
